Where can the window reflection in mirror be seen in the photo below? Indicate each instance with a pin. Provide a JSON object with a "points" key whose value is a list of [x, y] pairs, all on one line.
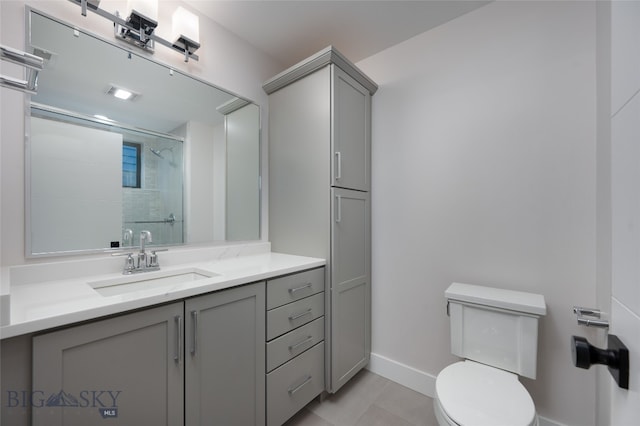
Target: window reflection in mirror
{"points": [[184, 168]]}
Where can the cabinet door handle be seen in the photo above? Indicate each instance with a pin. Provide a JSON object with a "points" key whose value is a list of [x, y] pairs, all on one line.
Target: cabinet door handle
{"points": [[297, 388], [178, 321], [302, 287], [194, 336], [338, 208], [338, 165], [297, 345], [300, 315]]}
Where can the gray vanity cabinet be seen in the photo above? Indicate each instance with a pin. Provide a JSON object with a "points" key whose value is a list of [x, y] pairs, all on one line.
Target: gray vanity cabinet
{"points": [[126, 370], [200, 361], [319, 182], [225, 357]]}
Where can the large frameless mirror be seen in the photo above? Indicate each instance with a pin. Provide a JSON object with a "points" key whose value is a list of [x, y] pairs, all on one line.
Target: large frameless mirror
{"points": [[119, 143]]}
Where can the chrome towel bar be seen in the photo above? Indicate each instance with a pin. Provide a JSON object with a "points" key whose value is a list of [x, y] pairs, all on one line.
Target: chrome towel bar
{"points": [[32, 63]]}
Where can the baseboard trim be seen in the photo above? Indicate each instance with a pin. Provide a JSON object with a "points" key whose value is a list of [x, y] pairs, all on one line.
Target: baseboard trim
{"points": [[403, 374], [417, 380]]}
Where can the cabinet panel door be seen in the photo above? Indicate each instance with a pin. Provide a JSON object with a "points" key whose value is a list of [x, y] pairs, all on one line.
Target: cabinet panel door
{"points": [[126, 370], [351, 285], [351, 138], [225, 357]]}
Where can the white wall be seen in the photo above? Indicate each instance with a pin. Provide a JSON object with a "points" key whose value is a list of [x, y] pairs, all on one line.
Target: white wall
{"points": [[484, 171], [225, 61], [625, 155]]}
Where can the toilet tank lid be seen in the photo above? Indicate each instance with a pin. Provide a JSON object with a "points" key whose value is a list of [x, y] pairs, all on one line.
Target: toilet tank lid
{"points": [[512, 300]]}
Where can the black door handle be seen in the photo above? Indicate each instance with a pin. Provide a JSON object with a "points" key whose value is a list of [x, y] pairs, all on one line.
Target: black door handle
{"points": [[616, 357]]}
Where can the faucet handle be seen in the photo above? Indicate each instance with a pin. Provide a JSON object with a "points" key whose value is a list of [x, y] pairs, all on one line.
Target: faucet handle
{"points": [[129, 262], [153, 258]]}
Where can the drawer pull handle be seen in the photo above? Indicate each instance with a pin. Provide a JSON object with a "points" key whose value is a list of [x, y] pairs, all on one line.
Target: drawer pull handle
{"points": [[194, 337], [300, 315], [297, 345], [297, 388], [178, 321], [302, 287]]}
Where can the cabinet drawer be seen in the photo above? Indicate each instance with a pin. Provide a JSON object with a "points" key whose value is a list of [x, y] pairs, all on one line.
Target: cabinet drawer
{"points": [[291, 386], [294, 343], [294, 287], [286, 318]]}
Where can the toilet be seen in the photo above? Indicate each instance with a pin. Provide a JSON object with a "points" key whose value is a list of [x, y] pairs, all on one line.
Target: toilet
{"points": [[495, 331]]}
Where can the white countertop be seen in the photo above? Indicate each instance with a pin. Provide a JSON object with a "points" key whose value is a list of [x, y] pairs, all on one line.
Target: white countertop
{"points": [[42, 305]]}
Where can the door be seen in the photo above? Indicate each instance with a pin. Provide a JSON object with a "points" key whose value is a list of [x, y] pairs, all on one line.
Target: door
{"points": [[126, 370], [350, 343], [225, 357], [625, 205], [351, 137]]}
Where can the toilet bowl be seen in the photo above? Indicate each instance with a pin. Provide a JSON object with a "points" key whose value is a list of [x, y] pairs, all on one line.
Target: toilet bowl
{"points": [[495, 331], [470, 393]]}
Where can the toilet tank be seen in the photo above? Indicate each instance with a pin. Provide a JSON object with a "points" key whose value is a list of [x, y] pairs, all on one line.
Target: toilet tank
{"points": [[495, 327]]}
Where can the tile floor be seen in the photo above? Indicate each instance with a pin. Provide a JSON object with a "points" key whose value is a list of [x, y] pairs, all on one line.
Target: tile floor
{"points": [[368, 400]]}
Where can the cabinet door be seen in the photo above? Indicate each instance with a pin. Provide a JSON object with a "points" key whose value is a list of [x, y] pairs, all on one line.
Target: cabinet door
{"points": [[350, 343], [351, 138], [126, 370], [225, 357]]}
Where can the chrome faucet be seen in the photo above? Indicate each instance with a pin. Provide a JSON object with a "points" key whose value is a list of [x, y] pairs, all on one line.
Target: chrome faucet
{"points": [[146, 262], [145, 236]]}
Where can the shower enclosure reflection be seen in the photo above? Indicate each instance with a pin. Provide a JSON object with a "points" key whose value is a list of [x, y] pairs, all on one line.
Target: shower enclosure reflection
{"points": [[103, 179]]}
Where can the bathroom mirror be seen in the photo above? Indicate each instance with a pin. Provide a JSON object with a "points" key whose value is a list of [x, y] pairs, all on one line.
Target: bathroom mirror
{"points": [[180, 157]]}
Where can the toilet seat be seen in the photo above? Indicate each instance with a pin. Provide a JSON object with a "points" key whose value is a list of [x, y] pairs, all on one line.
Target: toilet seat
{"points": [[470, 393]]}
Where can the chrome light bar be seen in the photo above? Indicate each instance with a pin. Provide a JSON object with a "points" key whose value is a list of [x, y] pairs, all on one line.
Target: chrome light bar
{"points": [[138, 30]]}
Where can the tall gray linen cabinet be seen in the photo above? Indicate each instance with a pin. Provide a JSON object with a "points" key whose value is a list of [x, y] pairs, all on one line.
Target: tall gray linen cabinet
{"points": [[319, 193]]}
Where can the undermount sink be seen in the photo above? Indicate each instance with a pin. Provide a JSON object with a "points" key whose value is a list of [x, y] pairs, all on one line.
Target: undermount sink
{"points": [[160, 280]]}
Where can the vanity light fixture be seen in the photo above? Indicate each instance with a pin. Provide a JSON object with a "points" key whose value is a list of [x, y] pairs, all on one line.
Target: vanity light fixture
{"points": [[185, 31], [138, 28], [141, 22]]}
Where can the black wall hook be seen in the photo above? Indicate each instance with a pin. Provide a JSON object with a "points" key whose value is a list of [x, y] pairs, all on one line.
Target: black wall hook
{"points": [[616, 357]]}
